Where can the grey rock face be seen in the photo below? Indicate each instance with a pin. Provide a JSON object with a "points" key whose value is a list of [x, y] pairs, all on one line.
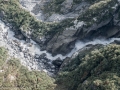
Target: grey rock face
{"points": [[2, 14], [61, 43], [20, 37], [66, 6], [45, 10], [26, 33], [117, 42], [79, 53], [57, 63], [100, 25]]}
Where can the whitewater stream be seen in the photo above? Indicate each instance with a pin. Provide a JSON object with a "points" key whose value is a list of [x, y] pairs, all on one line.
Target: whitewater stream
{"points": [[26, 52]]}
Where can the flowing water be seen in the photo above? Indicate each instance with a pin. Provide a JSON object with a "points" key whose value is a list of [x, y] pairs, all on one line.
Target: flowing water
{"points": [[26, 52], [29, 50]]}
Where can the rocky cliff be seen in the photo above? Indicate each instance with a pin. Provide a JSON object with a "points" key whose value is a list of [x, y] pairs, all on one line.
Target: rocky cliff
{"points": [[77, 19], [64, 21], [59, 26]]}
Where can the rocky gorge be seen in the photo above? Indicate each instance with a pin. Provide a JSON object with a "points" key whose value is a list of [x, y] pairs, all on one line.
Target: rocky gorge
{"points": [[60, 43], [80, 26], [59, 37], [32, 57]]}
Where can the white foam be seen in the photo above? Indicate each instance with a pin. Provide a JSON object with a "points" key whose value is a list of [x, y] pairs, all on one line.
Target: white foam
{"points": [[35, 49], [80, 45], [26, 58]]}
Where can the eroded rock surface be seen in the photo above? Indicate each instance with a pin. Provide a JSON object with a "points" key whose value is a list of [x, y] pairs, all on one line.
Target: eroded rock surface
{"points": [[90, 20], [60, 43]]}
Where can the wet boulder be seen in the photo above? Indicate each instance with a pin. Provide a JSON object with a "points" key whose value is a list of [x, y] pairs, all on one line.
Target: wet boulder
{"points": [[20, 37], [43, 56], [62, 43], [57, 62], [117, 41]]}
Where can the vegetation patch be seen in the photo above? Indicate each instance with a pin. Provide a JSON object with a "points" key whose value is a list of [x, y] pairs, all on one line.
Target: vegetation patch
{"points": [[14, 76], [22, 19], [53, 6], [98, 70], [98, 12]]}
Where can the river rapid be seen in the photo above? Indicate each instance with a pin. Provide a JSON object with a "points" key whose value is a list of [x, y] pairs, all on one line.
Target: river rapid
{"points": [[30, 54]]}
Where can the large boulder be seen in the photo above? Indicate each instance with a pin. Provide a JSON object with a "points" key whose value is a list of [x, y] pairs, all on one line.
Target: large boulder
{"points": [[62, 43], [57, 62]]}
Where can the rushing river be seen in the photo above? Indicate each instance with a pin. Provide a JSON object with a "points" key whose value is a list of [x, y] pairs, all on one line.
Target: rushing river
{"points": [[26, 51]]}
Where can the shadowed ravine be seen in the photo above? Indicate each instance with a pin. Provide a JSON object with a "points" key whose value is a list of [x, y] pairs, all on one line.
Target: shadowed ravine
{"points": [[30, 53]]}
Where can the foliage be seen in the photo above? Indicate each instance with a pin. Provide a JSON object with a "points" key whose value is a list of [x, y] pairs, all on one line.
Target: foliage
{"points": [[98, 12], [22, 19], [61, 26], [53, 7], [14, 76], [3, 55], [98, 70]]}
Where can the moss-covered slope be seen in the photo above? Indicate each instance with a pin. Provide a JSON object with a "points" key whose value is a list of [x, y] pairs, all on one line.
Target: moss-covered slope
{"points": [[14, 76], [98, 70]]}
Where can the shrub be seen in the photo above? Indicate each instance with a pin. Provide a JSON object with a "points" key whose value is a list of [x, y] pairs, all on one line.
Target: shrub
{"points": [[102, 64], [14, 76]]}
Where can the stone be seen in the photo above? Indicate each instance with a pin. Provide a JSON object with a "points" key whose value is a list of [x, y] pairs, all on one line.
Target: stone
{"points": [[36, 56], [26, 33], [117, 41], [66, 6], [28, 40], [2, 14], [62, 43], [57, 62], [42, 56], [20, 37]]}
